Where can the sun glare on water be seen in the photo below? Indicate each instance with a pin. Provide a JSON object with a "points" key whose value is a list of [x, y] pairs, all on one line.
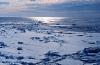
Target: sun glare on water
{"points": [[47, 20]]}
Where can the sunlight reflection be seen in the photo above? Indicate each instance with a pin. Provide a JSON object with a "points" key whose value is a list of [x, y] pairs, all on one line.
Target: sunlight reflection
{"points": [[47, 20]]}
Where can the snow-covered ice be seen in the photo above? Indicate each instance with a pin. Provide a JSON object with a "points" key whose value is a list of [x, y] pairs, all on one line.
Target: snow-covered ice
{"points": [[31, 42]]}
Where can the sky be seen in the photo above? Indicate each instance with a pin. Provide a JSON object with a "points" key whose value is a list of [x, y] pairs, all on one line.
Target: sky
{"points": [[31, 8]]}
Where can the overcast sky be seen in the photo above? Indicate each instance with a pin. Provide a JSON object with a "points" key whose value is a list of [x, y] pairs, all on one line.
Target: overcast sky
{"points": [[45, 7]]}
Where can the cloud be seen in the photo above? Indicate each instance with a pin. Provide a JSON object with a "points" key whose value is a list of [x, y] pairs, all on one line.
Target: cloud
{"points": [[12, 5], [34, 6], [62, 1]]}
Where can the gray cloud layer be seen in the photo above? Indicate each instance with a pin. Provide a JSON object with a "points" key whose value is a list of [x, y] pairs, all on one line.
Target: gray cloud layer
{"points": [[40, 7]]}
